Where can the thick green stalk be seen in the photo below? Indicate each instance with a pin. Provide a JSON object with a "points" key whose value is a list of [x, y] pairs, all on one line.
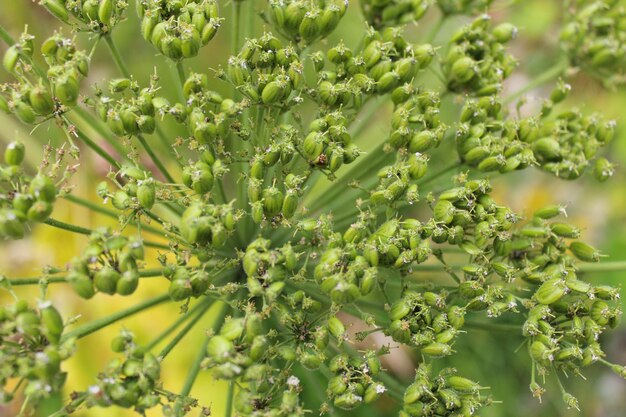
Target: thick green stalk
{"points": [[103, 322], [229, 399], [17, 282], [84, 231], [117, 57], [155, 159], [6, 36]]}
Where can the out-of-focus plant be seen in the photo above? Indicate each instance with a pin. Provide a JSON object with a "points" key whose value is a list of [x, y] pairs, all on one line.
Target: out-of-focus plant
{"points": [[237, 200]]}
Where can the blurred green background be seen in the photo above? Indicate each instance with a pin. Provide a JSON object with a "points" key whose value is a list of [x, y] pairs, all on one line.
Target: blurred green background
{"points": [[491, 358]]}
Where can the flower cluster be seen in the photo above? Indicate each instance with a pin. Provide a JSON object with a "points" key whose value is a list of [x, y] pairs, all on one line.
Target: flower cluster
{"points": [[32, 101], [178, 29], [109, 264], [32, 348], [99, 16]]}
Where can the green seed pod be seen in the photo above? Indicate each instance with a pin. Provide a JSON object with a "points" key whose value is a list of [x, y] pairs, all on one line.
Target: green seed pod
{"points": [[336, 328], [66, 89], [547, 149], [41, 101], [463, 69], [146, 195], [25, 113], [565, 230], [28, 323], [504, 32], [549, 212], [437, 350], [550, 291], [272, 93], [127, 283], [105, 11], [57, 9], [373, 393], [39, 211], [105, 280], [81, 283], [220, 349], [43, 188], [180, 289], [603, 169], [14, 153], [233, 329], [52, 323], [584, 252], [422, 141], [272, 201], [311, 360], [444, 211], [290, 204]]}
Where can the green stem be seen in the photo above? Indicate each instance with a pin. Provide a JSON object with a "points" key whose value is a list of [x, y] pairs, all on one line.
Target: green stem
{"points": [[69, 227], [183, 317], [96, 125], [229, 399], [94, 146], [84, 231], [547, 76], [6, 36], [614, 266], [180, 71], [155, 159], [110, 213], [117, 57], [494, 327], [17, 282], [96, 325], [195, 369], [179, 336]]}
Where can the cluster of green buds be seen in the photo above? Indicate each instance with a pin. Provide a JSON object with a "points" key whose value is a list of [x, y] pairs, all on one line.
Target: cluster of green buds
{"points": [[137, 190], [594, 38], [468, 7], [207, 115], [31, 349], [564, 145], [32, 101], [134, 112], [280, 399], [328, 145], [22, 198], [446, 394], [267, 269], [109, 264], [352, 383], [381, 13], [344, 275], [186, 282], [305, 20], [397, 243], [477, 61], [386, 62], [178, 29], [207, 225], [425, 321], [239, 350], [131, 382], [99, 16], [266, 71]]}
